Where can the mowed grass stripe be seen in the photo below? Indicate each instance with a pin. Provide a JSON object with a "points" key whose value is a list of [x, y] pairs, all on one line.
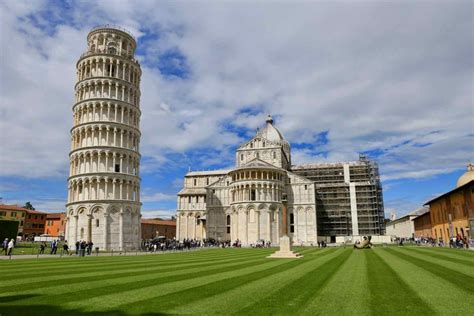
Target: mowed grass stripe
{"points": [[456, 266], [456, 278], [35, 264], [162, 303], [253, 291], [78, 275], [290, 299], [383, 280], [117, 285], [443, 255], [121, 274], [67, 268], [140, 297], [458, 252], [432, 290], [346, 292]]}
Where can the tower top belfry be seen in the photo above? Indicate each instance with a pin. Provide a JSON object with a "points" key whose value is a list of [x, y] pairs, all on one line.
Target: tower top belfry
{"points": [[104, 183]]}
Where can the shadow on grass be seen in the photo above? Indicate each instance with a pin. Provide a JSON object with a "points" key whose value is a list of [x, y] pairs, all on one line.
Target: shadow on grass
{"points": [[12, 298], [50, 310]]}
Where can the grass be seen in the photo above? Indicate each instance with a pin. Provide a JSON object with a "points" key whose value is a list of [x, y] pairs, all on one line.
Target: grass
{"points": [[336, 281]]}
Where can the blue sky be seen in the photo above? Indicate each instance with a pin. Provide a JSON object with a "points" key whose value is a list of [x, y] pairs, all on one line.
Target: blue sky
{"points": [[391, 80]]}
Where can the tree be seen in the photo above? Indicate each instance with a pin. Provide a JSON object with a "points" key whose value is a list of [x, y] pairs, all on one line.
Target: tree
{"points": [[29, 206]]}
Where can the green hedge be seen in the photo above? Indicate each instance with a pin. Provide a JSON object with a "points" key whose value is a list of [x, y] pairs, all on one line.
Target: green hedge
{"points": [[8, 229]]}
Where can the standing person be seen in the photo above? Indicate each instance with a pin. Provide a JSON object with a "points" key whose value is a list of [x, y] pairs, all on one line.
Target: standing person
{"points": [[11, 245], [66, 248], [78, 245], [53, 245], [42, 246], [5, 246]]}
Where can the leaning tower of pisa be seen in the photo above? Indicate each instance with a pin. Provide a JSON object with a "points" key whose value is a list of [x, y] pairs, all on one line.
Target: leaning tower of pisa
{"points": [[104, 184]]}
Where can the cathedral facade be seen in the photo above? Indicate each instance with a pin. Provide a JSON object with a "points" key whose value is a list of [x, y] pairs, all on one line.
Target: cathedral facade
{"points": [[248, 203]]}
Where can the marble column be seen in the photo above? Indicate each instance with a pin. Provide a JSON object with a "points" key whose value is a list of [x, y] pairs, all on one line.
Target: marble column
{"points": [[106, 230], [121, 230]]}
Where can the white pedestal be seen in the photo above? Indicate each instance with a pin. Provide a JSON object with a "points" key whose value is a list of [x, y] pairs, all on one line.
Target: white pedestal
{"points": [[285, 251]]}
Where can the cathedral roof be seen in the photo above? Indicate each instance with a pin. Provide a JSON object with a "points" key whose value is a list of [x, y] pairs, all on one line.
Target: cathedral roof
{"points": [[257, 164], [207, 173], [271, 133], [192, 191]]}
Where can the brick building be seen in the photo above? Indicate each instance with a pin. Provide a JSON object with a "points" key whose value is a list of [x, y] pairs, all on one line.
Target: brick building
{"points": [[54, 225], [422, 225], [34, 223], [152, 228], [452, 213]]}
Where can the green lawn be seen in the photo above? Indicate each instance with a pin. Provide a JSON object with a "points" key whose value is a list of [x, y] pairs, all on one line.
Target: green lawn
{"points": [[337, 281]]}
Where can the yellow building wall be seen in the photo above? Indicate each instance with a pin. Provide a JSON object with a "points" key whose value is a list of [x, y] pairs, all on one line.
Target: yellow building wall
{"points": [[455, 208], [14, 215]]}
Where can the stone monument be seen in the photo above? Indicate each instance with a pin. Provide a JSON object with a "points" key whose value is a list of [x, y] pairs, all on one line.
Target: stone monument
{"points": [[285, 250]]}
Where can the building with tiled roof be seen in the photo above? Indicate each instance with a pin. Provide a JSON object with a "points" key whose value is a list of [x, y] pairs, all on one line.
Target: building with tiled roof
{"points": [[152, 228]]}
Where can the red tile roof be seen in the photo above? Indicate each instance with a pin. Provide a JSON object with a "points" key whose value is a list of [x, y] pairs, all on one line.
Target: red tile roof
{"points": [[55, 215], [12, 208], [35, 212], [158, 222]]}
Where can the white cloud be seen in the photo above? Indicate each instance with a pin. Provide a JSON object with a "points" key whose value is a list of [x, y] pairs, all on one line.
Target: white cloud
{"points": [[164, 214], [372, 74], [158, 197]]}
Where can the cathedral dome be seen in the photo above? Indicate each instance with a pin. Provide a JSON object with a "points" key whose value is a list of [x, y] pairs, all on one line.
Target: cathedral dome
{"points": [[467, 176], [271, 133]]}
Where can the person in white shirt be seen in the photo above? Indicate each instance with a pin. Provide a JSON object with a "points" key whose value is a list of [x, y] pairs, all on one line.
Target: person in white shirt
{"points": [[11, 245]]}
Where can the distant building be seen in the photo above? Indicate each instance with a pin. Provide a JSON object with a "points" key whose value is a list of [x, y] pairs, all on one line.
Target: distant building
{"points": [[349, 198], [264, 197], [34, 223], [152, 228], [452, 213], [404, 227], [422, 225], [55, 223], [14, 213]]}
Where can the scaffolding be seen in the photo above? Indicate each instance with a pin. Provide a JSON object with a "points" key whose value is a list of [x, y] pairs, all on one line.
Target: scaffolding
{"points": [[333, 197]]}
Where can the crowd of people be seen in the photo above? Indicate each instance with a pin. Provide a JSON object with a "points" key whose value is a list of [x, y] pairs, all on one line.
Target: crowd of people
{"points": [[458, 241], [155, 245]]}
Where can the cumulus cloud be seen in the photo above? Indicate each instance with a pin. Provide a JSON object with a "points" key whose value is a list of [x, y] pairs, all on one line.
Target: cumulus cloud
{"points": [[390, 79]]}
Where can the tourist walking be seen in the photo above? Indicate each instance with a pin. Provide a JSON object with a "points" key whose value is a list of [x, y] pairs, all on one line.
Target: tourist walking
{"points": [[5, 246], [42, 246], [11, 245]]}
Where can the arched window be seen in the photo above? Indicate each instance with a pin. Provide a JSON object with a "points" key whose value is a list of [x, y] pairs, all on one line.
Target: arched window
{"points": [[274, 155], [97, 223], [228, 224], [253, 196]]}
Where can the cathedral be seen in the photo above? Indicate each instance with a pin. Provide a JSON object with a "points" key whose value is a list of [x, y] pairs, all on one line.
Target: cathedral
{"points": [[248, 202]]}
